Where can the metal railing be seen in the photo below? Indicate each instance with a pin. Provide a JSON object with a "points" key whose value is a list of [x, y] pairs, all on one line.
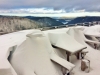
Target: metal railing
{"points": [[64, 26], [70, 25]]}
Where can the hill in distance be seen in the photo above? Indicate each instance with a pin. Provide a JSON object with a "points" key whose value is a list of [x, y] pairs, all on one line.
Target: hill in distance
{"points": [[47, 21], [15, 23], [84, 19], [11, 24]]}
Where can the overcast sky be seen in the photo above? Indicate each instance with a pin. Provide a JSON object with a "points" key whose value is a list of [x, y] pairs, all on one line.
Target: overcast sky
{"points": [[49, 6]]}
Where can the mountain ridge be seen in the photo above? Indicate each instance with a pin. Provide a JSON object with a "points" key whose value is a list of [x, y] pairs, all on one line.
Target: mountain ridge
{"points": [[84, 19], [16, 23]]}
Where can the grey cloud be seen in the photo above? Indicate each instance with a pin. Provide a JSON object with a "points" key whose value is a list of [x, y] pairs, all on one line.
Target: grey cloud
{"points": [[88, 5]]}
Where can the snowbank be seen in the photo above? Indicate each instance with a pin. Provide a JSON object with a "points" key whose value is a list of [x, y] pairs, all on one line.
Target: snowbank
{"points": [[93, 31], [27, 53]]}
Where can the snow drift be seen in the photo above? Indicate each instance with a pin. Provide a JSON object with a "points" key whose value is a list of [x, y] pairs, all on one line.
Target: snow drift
{"points": [[29, 52]]}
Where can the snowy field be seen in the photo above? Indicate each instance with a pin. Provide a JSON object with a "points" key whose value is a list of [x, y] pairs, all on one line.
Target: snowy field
{"points": [[28, 52]]}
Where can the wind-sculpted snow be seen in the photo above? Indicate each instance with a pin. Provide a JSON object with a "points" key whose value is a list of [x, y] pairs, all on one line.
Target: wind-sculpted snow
{"points": [[93, 30], [28, 52]]}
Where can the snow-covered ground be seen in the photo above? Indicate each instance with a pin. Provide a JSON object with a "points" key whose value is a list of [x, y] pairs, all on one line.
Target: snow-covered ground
{"points": [[18, 38]]}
